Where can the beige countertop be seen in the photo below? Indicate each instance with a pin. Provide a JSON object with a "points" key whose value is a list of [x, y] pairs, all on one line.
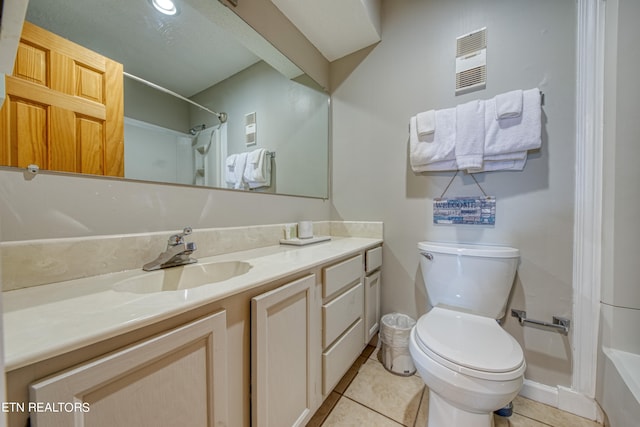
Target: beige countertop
{"points": [[45, 321]]}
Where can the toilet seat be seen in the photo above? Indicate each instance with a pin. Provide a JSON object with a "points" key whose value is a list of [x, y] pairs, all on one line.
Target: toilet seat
{"points": [[469, 344]]}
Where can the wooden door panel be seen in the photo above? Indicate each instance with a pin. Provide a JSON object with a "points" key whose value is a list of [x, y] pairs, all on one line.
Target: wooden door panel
{"points": [[89, 83], [62, 79], [90, 140], [28, 124], [31, 64], [63, 153]]}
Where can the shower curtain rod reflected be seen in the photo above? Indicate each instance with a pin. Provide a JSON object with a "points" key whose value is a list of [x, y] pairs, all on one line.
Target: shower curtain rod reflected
{"points": [[221, 116]]}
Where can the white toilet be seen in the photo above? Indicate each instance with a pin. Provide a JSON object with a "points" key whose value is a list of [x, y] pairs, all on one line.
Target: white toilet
{"points": [[471, 365]]}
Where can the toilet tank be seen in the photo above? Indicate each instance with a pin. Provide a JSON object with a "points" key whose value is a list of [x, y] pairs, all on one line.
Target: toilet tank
{"points": [[473, 278]]}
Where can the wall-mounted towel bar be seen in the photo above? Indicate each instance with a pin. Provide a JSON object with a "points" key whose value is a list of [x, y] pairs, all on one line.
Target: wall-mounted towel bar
{"points": [[559, 324]]}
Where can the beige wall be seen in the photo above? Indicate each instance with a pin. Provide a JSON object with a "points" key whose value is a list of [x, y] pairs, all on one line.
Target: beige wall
{"points": [[292, 121], [530, 44], [53, 205]]}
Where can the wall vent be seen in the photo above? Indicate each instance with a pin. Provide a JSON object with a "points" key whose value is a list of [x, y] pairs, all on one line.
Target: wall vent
{"points": [[250, 130], [471, 61]]}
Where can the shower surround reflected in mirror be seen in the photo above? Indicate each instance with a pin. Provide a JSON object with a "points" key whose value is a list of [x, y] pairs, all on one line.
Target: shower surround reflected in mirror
{"points": [[195, 55]]}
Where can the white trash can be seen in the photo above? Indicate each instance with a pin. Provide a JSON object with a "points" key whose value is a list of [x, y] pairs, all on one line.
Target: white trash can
{"points": [[394, 335]]}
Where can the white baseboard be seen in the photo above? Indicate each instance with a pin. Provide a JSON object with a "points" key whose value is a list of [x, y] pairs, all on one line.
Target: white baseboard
{"points": [[540, 393], [562, 398], [579, 404]]}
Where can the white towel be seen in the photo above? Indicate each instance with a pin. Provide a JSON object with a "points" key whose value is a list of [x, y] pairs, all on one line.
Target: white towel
{"points": [[515, 134], [443, 165], [266, 182], [514, 164], [257, 172], [229, 170], [426, 123], [470, 125], [238, 171], [509, 105], [436, 151]]}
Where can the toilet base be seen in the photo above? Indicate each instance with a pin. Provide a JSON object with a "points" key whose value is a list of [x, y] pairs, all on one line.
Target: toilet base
{"points": [[444, 414]]}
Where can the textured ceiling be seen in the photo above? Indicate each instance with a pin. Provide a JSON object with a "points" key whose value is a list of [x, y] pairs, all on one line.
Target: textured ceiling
{"points": [[186, 53]]}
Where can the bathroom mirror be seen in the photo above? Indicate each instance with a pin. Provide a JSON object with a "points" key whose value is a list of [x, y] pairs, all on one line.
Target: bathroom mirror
{"points": [[207, 54]]}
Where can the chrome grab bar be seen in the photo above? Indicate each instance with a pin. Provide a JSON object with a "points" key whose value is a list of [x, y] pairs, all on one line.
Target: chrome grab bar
{"points": [[559, 324]]}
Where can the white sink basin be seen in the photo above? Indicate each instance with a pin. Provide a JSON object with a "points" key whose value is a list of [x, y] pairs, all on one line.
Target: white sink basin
{"points": [[185, 277]]}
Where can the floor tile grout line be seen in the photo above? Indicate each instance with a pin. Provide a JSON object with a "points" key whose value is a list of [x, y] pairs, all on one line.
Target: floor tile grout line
{"points": [[533, 419], [375, 410], [422, 397]]}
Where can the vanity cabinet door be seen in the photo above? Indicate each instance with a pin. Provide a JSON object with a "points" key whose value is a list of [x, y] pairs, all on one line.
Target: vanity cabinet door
{"points": [[372, 305], [178, 378], [372, 283], [285, 343]]}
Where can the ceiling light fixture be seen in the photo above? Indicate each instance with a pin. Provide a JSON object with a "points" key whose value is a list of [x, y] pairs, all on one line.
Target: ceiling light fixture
{"points": [[165, 6]]}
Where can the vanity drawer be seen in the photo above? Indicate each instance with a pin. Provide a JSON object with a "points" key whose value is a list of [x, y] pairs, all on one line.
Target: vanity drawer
{"points": [[338, 359], [339, 276], [341, 312], [373, 259]]}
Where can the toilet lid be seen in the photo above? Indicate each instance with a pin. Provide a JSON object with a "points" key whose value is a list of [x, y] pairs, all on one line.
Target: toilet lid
{"points": [[469, 341]]}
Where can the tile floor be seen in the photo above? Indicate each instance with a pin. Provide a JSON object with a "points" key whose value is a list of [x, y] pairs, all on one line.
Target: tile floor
{"points": [[368, 395]]}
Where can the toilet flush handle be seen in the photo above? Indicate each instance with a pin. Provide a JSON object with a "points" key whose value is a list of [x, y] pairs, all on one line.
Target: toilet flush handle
{"points": [[427, 255]]}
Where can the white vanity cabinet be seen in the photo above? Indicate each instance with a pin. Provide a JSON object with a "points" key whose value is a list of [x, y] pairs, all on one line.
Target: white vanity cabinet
{"points": [[342, 319], [285, 345], [266, 356], [373, 263], [176, 378]]}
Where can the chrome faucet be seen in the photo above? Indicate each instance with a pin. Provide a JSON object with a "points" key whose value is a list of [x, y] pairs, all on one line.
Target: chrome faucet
{"points": [[177, 253]]}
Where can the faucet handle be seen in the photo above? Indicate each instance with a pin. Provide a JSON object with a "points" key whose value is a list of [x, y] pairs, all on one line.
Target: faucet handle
{"points": [[178, 239]]}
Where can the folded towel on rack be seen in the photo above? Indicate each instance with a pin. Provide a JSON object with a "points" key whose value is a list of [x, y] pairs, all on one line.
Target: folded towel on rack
{"points": [[229, 170], [441, 166], [470, 127], [241, 162], [509, 105], [495, 163], [267, 175], [435, 151], [515, 134], [257, 172], [426, 123]]}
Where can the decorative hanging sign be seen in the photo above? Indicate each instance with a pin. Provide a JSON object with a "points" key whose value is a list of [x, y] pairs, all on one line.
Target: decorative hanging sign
{"points": [[475, 210]]}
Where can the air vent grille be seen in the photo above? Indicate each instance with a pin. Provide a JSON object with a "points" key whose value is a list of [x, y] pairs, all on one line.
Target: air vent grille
{"points": [[250, 129], [470, 78], [471, 43], [471, 61]]}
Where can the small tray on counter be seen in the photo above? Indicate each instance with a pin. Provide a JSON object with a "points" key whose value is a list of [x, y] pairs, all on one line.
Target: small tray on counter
{"points": [[302, 242]]}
